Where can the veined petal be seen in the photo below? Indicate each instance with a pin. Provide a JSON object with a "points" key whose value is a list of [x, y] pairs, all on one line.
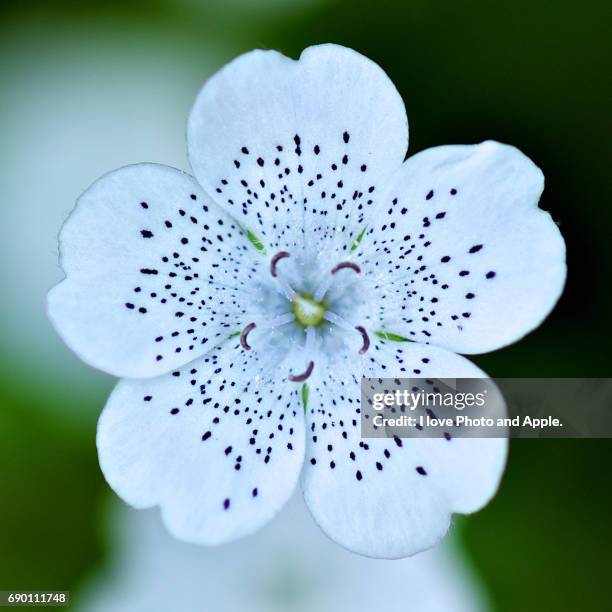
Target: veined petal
{"points": [[154, 273], [461, 252], [390, 497], [298, 150], [217, 447]]}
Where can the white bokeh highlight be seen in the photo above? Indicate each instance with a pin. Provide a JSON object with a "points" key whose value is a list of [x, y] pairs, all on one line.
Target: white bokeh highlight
{"points": [[290, 565]]}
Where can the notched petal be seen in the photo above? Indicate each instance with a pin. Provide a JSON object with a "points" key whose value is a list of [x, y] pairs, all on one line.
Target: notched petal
{"points": [[155, 273], [294, 149], [388, 497], [217, 450], [474, 263]]}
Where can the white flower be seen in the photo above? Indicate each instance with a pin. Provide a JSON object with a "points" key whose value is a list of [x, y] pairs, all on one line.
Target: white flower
{"points": [[152, 572], [344, 240]]}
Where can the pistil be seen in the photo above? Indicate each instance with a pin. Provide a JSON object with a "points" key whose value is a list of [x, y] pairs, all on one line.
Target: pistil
{"points": [[308, 311]]}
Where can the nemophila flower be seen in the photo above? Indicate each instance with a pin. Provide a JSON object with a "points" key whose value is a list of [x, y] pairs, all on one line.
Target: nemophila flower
{"points": [[149, 571], [243, 307]]}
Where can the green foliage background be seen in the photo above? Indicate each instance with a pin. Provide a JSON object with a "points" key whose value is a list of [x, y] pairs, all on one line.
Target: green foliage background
{"points": [[536, 75]]}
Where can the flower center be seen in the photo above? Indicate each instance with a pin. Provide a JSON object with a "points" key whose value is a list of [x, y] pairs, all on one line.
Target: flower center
{"points": [[308, 312]]}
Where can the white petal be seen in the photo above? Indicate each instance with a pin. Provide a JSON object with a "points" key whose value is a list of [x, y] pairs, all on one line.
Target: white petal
{"points": [[288, 566], [218, 450], [390, 497], [298, 148], [465, 258], [154, 273]]}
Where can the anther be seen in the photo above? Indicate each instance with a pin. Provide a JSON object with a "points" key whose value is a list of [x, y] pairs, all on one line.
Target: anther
{"points": [[280, 255], [346, 264], [302, 377], [243, 336], [366, 339]]}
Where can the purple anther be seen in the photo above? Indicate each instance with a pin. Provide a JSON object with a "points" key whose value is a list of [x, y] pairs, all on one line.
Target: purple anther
{"points": [[366, 339], [304, 376], [346, 264], [243, 336], [280, 255]]}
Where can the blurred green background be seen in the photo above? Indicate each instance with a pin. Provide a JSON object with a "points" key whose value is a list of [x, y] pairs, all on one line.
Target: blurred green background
{"points": [[88, 87]]}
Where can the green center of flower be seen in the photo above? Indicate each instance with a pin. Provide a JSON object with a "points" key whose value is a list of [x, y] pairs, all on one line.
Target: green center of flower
{"points": [[308, 312]]}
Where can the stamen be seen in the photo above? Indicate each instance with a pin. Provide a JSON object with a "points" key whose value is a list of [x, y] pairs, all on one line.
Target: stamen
{"points": [[282, 319], [326, 284], [243, 336], [282, 285], [309, 349], [304, 376], [346, 264], [280, 255], [322, 289], [311, 340], [332, 317], [366, 339], [278, 321]]}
